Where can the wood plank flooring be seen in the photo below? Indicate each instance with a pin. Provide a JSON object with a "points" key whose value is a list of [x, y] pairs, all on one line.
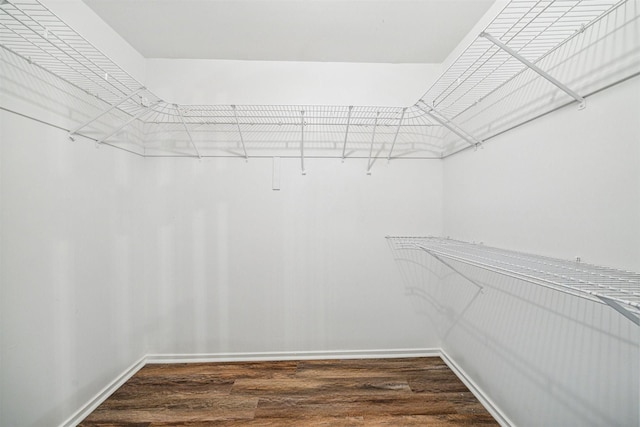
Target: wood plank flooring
{"points": [[381, 392]]}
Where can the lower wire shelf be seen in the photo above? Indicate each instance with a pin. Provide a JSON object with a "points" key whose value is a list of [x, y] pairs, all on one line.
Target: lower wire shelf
{"points": [[618, 289]]}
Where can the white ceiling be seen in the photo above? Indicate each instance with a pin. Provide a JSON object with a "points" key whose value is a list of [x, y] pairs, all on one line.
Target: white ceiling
{"points": [[377, 31]]}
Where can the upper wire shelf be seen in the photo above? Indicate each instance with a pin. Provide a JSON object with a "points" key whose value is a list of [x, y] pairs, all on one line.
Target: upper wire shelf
{"points": [[37, 44], [532, 28], [616, 288]]}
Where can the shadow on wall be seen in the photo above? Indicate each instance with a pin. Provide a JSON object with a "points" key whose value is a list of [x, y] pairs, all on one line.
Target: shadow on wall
{"points": [[34, 92], [422, 275], [544, 357], [141, 123]]}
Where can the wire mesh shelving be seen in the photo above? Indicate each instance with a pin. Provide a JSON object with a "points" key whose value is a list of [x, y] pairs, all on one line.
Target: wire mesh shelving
{"points": [[451, 115], [617, 288]]}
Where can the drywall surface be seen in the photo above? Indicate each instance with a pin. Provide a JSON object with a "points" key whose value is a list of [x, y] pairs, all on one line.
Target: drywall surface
{"points": [[70, 276], [565, 185], [235, 266], [190, 81]]}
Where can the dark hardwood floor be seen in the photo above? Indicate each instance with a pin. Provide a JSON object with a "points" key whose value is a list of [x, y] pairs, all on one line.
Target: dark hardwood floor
{"points": [[381, 392]]}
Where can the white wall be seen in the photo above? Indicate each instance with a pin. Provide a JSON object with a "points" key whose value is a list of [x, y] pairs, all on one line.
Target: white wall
{"points": [[565, 185], [70, 277], [234, 266], [106, 257], [288, 83]]}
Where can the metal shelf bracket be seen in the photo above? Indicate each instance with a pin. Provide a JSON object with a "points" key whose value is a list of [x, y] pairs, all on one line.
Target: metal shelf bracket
{"points": [[186, 129], [111, 108], [581, 101], [635, 318], [373, 139], [235, 114], [303, 171], [439, 258], [444, 121], [346, 134], [395, 137], [128, 122]]}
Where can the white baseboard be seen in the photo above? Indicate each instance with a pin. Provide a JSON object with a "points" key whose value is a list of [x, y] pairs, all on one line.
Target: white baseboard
{"points": [[103, 394], [292, 355], [493, 409], [92, 404]]}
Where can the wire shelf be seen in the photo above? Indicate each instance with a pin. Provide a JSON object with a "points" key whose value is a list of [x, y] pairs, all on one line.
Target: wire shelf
{"points": [[617, 288], [534, 29]]}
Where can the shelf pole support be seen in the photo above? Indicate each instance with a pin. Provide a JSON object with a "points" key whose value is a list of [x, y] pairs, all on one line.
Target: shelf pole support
{"points": [[373, 138], [235, 114], [620, 309], [581, 101], [186, 129], [304, 172], [444, 121], [439, 258], [346, 134], [111, 107], [395, 137], [128, 122]]}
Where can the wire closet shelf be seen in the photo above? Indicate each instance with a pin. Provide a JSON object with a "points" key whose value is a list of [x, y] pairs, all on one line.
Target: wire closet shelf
{"points": [[617, 288], [125, 113]]}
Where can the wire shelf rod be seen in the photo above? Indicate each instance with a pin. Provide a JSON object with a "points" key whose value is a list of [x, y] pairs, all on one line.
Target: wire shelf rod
{"points": [[535, 68], [127, 123], [373, 138], [302, 124], [186, 129], [244, 149], [531, 28], [433, 113], [45, 14], [537, 34], [102, 113], [97, 78], [346, 133], [395, 137]]}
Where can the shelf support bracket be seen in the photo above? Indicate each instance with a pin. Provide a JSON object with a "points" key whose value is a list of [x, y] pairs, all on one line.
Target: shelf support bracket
{"points": [[304, 172], [111, 107], [373, 138], [346, 134], [620, 309], [444, 121], [186, 129], [128, 122], [395, 137], [439, 258], [235, 114], [581, 101]]}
